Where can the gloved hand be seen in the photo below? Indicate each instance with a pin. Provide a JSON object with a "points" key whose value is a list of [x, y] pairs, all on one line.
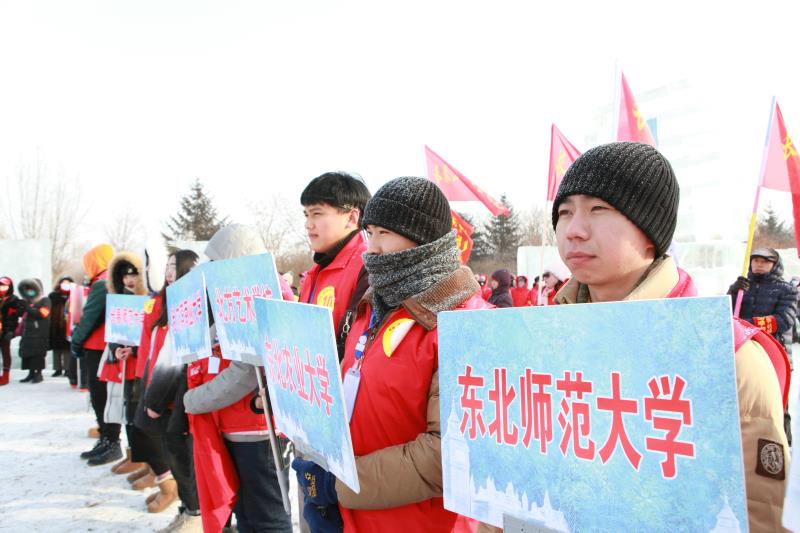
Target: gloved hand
{"points": [[741, 283], [76, 351], [318, 485], [323, 519], [768, 324]]}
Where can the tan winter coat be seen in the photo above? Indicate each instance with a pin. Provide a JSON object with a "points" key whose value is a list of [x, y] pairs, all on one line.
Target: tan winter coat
{"points": [[760, 406]]}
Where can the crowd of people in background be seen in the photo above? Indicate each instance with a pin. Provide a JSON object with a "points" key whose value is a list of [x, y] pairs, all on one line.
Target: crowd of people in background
{"points": [[198, 434]]}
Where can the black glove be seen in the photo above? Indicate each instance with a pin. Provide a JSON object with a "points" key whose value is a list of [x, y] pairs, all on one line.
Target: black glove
{"points": [[741, 283]]}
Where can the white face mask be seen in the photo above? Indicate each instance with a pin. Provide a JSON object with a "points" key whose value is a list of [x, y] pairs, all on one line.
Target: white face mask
{"points": [[66, 286]]}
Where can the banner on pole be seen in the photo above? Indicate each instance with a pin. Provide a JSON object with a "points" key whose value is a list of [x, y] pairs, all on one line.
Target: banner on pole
{"points": [[305, 391], [124, 318], [187, 313], [233, 285], [615, 416]]}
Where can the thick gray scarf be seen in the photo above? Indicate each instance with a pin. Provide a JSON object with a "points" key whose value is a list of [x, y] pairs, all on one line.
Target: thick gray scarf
{"points": [[397, 276]]}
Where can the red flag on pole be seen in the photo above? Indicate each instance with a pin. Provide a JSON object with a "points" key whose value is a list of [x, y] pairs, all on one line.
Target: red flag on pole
{"points": [[632, 125], [781, 170], [562, 155], [463, 236], [456, 187]]}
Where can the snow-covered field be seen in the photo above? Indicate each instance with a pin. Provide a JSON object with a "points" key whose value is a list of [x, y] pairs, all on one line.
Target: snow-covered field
{"points": [[44, 485]]}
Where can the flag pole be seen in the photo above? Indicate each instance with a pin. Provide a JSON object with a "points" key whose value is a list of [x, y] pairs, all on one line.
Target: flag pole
{"points": [[754, 214], [273, 441]]}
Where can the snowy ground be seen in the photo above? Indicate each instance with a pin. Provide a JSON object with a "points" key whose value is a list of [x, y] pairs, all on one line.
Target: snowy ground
{"points": [[44, 485]]}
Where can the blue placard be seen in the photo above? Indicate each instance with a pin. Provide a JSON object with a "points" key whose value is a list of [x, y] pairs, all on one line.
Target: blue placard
{"points": [[124, 318], [232, 285], [187, 312], [601, 417], [305, 390]]}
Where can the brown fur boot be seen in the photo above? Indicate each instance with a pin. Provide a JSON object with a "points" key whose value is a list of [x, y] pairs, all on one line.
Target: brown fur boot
{"points": [[126, 466], [136, 474], [167, 493], [144, 482]]}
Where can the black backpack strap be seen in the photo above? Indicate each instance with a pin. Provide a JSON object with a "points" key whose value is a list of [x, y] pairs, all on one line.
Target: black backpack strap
{"points": [[362, 283]]}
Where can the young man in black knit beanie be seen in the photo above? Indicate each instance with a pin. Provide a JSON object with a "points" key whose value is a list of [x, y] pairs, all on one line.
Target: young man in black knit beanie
{"points": [[614, 216], [391, 362]]}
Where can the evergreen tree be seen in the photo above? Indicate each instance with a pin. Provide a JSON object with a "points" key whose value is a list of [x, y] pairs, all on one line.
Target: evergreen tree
{"points": [[503, 234], [197, 219], [774, 232]]}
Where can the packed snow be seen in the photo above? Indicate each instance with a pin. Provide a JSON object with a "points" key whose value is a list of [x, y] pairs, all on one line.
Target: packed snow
{"points": [[46, 487]]}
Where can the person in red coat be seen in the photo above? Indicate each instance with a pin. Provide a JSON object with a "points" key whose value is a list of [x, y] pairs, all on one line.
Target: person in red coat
{"points": [[520, 293], [414, 273]]}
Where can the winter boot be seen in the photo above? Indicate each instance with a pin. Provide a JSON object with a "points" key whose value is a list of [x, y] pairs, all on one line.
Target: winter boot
{"points": [[6, 375], [151, 497], [126, 466], [144, 482], [136, 474], [93, 433], [97, 446], [37, 377], [167, 493], [129, 468], [27, 378], [111, 452], [55, 374]]}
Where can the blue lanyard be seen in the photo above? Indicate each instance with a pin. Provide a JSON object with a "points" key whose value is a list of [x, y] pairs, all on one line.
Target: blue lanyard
{"points": [[362, 340]]}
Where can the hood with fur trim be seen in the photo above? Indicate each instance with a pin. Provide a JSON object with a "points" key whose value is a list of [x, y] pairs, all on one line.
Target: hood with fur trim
{"points": [[28, 284], [116, 268]]}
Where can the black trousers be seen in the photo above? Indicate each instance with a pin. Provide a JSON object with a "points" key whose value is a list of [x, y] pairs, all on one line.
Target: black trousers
{"points": [[146, 447], [61, 359], [180, 458], [98, 395], [5, 348]]}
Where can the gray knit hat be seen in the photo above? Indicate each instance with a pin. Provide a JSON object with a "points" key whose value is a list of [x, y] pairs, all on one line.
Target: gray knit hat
{"points": [[413, 207], [634, 178]]}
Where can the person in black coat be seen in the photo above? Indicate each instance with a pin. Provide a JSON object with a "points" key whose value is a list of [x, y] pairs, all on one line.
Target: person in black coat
{"points": [[769, 302], [501, 289], [63, 361], [35, 329], [11, 309]]}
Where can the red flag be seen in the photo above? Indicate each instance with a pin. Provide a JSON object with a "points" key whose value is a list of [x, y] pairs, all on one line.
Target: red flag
{"points": [[632, 125], [463, 236], [782, 165], [562, 155], [456, 187]]}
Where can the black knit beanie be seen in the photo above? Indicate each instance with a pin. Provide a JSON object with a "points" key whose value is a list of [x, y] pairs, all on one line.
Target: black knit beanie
{"points": [[413, 207], [634, 178]]}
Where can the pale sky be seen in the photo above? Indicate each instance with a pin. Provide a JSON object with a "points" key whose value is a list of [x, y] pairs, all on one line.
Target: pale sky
{"points": [[138, 98]]}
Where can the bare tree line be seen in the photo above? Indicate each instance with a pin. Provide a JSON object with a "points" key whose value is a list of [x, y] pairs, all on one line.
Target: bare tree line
{"points": [[39, 205]]}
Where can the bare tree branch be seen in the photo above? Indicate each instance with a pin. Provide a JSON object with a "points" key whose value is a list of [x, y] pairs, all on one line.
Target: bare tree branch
{"points": [[38, 206], [125, 231]]}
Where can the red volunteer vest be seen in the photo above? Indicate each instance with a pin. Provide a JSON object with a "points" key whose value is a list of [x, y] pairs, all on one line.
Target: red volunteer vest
{"points": [[152, 311], [215, 473], [391, 409], [333, 285]]}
